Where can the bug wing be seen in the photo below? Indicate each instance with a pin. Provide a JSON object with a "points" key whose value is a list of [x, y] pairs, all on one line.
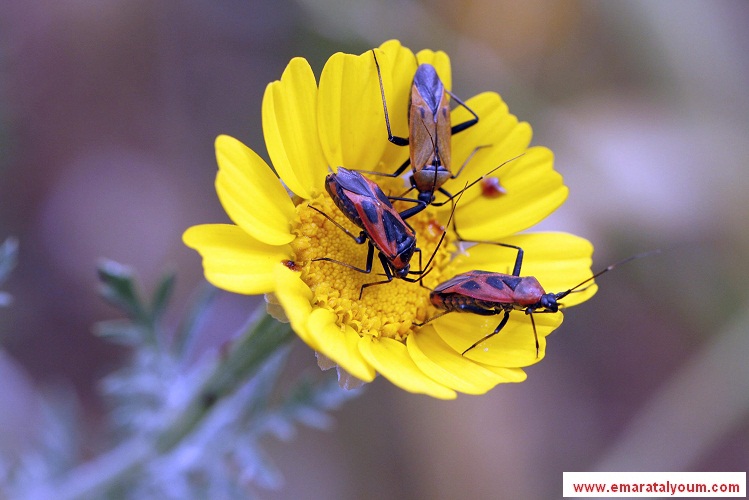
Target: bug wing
{"points": [[377, 216], [481, 285], [429, 117], [455, 281], [355, 182], [428, 86], [444, 133]]}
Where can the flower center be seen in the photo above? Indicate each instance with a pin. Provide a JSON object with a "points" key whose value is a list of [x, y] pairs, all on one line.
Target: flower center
{"points": [[388, 309]]}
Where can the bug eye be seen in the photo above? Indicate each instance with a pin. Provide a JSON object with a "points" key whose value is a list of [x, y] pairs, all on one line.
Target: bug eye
{"points": [[550, 302]]}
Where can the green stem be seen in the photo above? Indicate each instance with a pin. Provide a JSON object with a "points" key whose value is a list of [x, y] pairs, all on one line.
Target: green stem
{"points": [[246, 357]]}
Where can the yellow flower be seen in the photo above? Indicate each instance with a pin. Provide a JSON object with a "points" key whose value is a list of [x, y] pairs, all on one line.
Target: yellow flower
{"points": [[275, 237]]}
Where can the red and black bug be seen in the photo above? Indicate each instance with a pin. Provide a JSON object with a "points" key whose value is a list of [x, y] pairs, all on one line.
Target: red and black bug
{"points": [[429, 134], [489, 293], [382, 226]]}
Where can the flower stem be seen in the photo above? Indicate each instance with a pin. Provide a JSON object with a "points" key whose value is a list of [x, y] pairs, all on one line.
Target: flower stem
{"points": [[88, 480], [246, 357]]}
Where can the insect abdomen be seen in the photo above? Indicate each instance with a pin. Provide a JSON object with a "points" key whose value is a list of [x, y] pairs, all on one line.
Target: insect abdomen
{"points": [[458, 303]]}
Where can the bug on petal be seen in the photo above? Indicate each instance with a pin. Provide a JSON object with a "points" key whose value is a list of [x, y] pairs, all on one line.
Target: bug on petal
{"points": [[429, 134], [490, 293], [382, 226]]}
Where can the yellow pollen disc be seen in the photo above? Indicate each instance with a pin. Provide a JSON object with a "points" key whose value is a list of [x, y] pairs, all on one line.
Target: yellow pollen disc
{"points": [[388, 309]]}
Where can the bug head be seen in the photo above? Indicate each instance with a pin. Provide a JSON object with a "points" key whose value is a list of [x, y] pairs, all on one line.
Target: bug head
{"points": [[402, 272], [426, 196], [400, 262], [549, 302]]}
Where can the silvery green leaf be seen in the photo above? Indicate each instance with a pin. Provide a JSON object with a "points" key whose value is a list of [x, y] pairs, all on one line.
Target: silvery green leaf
{"points": [[118, 289], [8, 257], [257, 467], [188, 327], [162, 295], [119, 331], [314, 418]]}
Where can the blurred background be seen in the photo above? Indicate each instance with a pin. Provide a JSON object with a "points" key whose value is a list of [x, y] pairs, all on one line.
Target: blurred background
{"points": [[108, 113]]}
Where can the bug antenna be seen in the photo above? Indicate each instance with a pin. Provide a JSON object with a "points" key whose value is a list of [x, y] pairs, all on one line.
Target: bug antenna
{"points": [[476, 181], [431, 138], [429, 320], [444, 232], [607, 269], [436, 153], [423, 275]]}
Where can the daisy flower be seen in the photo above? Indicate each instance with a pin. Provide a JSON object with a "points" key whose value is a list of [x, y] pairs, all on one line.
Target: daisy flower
{"points": [[276, 235]]}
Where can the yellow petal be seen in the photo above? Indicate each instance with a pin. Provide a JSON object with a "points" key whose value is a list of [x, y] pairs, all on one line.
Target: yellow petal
{"points": [[559, 261], [340, 344], [234, 260], [251, 194], [350, 114], [290, 129], [392, 360], [534, 190], [498, 134], [438, 360], [510, 375], [514, 346], [295, 297]]}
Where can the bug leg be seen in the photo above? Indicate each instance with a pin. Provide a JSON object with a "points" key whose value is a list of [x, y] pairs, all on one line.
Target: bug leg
{"points": [[366, 270], [397, 173], [496, 331], [466, 124], [470, 157], [518, 258], [398, 141], [475, 181], [421, 269], [358, 239], [432, 318], [402, 168], [410, 212], [385, 266], [535, 333], [421, 272], [450, 198], [439, 244], [413, 186]]}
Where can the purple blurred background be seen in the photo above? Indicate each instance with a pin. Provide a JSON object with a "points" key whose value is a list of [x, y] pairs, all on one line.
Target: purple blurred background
{"points": [[108, 112]]}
